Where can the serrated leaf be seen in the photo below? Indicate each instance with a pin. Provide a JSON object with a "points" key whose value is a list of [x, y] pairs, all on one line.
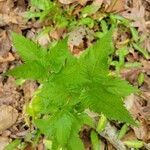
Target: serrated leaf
{"points": [[118, 86], [42, 4], [58, 54], [95, 141], [58, 94], [74, 139], [58, 126], [95, 59], [63, 128], [45, 126], [86, 120], [98, 99], [33, 70], [75, 143], [27, 49]]}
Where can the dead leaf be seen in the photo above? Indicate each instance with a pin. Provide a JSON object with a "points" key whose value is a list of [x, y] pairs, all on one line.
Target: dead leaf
{"points": [[67, 1], [6, 6], [3, 142], [141, 131], [76, 36], [29, 88], [57, 34], [8, 116], [5, 44], [82, 2], [116, 6], [137, 15], [129, 136], [6, 19], [9, 58], [43, 40], [98, 2]]}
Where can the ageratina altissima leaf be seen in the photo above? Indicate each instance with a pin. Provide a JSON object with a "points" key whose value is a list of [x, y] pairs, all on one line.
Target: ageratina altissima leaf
{"points": [[69, 86]]}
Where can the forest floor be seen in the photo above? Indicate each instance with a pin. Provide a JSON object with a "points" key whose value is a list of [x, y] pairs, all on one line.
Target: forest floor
{"points": [[14, 95]]}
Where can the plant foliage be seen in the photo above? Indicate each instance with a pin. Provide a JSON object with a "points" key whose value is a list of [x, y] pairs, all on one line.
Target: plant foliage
{"points": [[69, 86]]}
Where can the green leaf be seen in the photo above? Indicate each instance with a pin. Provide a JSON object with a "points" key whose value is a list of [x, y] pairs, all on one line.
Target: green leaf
{"points": [[87, 21], [118, 86], [95, 59], [45, 125], [101, 124], [95, 141], [135, 34], [75, 143], [134, 144], [27, 49], [48, 144], [85, 119], [13, 145], [42, 4], [63, 128], [123, 131], [57, 126], [33, 70], [90, 9], [58, 54], [100, 100], [141, 50]]}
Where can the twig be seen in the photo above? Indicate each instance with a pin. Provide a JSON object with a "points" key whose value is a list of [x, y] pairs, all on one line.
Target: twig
{"points": [[110, 134]]}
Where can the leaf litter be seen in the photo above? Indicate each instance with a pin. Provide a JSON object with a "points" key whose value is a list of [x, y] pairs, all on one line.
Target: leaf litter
{"points": [[13, 98]]}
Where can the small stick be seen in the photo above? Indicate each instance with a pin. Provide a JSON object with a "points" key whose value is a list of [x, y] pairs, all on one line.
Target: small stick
{"points": [[110, 134]]}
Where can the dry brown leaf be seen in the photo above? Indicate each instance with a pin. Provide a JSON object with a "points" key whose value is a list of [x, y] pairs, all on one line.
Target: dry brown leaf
{"points": [[43, 39], [116, 6], [9, 58], [82, 2], [57, 34], [76, 36], [5, 44], [6, 6], [129, 136], [8, 116], [67, 1], [29, 88], [3, 142], [6, 19], [141, 131], [137, 15], [98, 2]]}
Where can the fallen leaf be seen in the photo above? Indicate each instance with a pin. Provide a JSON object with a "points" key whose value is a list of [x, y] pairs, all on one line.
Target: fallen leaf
{"points": [[57, 34], [116, 6], [3, 142], [76, 36], [67, 1], [6, 6], [9, 58], [5, 44], [82, 2], [8, 116], [141, 131], [6, 19], [29, 88], [137, 15]]}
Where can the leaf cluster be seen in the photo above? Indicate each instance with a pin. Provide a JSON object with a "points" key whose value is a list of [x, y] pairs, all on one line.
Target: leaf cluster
{"points": [[69, 86]]}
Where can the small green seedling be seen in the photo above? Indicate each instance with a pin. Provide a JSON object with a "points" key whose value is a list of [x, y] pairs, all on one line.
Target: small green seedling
{"points": [[69, 86], [95, 141]]}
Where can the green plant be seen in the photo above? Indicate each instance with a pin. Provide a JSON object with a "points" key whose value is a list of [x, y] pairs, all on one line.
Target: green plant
{"points": [[50, 11], [69, 86]]}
